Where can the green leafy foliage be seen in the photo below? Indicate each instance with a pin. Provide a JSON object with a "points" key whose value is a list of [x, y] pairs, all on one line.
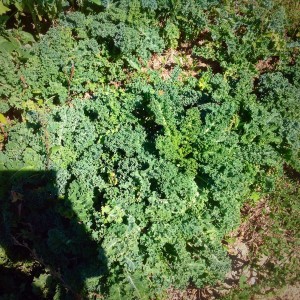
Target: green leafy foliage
{"points": [[154, 169], [38, 11]]}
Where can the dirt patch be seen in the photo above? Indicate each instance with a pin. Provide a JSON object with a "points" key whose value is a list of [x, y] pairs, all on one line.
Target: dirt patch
{"points": [[183, 57], [290, 292], [167, 61], [268, 64], [250, 266]]}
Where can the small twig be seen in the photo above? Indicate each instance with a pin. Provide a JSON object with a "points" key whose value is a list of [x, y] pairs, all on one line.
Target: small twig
{"points": [[25, 85]]}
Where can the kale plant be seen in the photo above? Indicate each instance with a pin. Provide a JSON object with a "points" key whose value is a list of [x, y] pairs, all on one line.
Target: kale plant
{"points": [[154, 169]]}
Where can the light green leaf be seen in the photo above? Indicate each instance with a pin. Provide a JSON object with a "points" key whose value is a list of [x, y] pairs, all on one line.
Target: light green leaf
{"points": [[3, 9], [8, 45], [19, 6], [26, 37], [255, 196], [55, 149], [133, 64], [97, 2], [3, 120]]}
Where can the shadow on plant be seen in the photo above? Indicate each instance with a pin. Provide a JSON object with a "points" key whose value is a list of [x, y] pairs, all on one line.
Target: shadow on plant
{"points": [[45, 251]]}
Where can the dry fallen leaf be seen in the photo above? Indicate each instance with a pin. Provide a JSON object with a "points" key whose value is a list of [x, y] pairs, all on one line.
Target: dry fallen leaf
{"points": [[16, 196]]}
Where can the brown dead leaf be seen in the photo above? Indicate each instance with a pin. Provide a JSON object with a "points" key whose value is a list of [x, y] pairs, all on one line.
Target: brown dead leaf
{"points": [[16, 196]]}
